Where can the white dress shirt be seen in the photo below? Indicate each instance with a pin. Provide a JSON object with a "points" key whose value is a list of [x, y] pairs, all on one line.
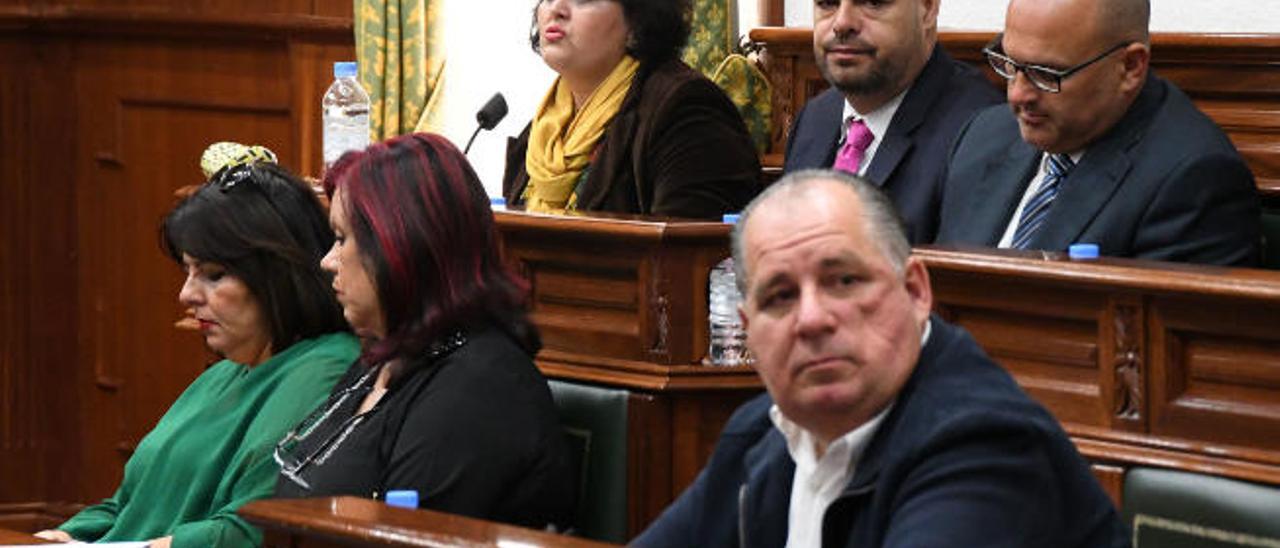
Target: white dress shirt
{"points": [[1036, 182], [877, 121], [819, 480]]}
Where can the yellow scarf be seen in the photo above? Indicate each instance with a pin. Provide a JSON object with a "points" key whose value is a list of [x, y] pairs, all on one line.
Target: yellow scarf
{"points": [[561, 141]]}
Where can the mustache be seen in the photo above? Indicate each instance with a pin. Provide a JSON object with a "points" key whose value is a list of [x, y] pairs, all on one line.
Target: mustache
{"points": [[847, 41]]}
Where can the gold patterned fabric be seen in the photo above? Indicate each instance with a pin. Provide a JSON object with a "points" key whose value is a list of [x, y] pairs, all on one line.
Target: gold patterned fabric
{"points": [[712, 39], [712, 34], [749, 89], [400, 50]]}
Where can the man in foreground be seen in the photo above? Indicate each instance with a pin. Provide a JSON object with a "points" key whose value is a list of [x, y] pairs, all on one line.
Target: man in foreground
{"points": [[882, 426]]}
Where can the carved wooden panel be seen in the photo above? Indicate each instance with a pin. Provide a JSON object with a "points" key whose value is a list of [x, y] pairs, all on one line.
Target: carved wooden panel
{"points": [[1221, 377], [1049, 342]]}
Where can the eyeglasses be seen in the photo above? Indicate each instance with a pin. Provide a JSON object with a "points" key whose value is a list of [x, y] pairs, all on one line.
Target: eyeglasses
{"points": [[1048, 80], [228, 177], [286, 452]]}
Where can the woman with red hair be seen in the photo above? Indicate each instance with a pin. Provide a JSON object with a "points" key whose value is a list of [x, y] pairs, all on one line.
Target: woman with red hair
{"points": [[445, 398]]}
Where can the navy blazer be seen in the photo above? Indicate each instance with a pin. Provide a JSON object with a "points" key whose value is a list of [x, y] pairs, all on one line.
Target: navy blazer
{"points": [[964, 458], [911, 159], [1165, 183]]}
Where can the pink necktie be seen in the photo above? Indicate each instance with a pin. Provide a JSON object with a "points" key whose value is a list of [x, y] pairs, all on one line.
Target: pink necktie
{"points": [[855, 147]]}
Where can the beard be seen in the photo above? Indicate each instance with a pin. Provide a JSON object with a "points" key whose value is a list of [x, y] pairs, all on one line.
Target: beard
{"points": [[873, 81], [883, 71]]}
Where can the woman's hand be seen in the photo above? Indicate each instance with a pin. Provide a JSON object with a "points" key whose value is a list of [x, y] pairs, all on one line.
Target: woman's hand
{"points": [[162, 542], [56, 535]]}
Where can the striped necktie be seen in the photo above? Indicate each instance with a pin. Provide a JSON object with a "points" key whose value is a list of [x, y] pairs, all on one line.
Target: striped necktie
{"points": [[1037, 208]]}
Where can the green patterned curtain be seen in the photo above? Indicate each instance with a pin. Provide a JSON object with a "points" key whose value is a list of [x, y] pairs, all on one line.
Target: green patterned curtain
{"points": [[712, 51], [400, 50], [713, 33]]}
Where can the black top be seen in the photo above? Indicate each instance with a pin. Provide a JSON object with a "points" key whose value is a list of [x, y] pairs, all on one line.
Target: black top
{"points": [[470, 425]]}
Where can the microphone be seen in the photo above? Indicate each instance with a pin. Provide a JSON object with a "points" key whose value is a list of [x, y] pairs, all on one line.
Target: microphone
{"points": [[488, 117]]}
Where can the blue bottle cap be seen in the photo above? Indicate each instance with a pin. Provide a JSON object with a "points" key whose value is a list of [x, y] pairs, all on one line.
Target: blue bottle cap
{"points": [[1083, 251], [731, 218], [345, 69], [403, 498], [497, 201]]}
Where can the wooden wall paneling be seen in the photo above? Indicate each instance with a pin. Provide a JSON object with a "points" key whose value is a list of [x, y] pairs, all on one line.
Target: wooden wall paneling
{"points": [[148, 108], [772, 13], [1219, 374], [649, 448], [37, 283]]}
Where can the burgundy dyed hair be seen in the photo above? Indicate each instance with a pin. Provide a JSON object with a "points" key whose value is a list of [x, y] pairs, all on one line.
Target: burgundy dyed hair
{"points": [[426, 235]]}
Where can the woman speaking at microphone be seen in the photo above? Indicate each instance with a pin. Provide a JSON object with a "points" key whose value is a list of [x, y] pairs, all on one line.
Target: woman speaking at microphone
{"points": [[627, 127]]}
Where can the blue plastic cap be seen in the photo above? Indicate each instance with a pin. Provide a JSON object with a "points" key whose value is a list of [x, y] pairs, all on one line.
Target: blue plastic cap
{"points": [[497, 201], [345, 69], [403, 498], [731, 218], [1083, 251]]}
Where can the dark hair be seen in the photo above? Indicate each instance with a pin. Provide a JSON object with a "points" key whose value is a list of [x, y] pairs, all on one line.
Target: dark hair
{"points": [[426, 235], [659, 28], [268, 229]]}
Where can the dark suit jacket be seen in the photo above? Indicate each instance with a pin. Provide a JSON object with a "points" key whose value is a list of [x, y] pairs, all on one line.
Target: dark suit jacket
{"points": [[911, 160], [676, 148], [964, 458], [1164, 183]]}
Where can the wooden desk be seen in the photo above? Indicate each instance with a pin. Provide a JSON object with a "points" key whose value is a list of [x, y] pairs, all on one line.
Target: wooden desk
{"points": [[351, 521], [9, 538], [621, 301], [1144, 363]]}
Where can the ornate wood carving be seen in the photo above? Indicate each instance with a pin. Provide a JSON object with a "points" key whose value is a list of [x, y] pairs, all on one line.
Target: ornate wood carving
{"points": [[1127, 362]]}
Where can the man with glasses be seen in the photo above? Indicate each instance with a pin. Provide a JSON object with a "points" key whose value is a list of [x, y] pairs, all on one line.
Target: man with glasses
{"points": [[1095, 149], [895, 104]]}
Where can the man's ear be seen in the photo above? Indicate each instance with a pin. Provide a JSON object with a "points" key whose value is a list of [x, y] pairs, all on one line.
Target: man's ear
{"points": [[1136, 59], [929, 14], [916, 279]]}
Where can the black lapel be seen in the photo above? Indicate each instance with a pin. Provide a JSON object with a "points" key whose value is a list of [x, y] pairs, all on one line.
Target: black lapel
{"points": [[997, 193], [900, 138]]}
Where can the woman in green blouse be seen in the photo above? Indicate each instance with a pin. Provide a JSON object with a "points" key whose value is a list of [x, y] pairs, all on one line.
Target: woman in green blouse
{"points": [[249, 242]]}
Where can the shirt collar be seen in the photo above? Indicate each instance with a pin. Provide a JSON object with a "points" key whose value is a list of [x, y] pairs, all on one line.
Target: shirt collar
{"points": [[800, 441], [877, 120]]}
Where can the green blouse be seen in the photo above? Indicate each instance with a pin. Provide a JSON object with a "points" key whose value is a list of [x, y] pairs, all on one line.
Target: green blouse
{"points": [[212, 451]]}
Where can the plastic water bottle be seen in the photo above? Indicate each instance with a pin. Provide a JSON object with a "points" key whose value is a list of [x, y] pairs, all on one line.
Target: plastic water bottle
{"points": [[497, 203], [346, 114], [728, 338]]}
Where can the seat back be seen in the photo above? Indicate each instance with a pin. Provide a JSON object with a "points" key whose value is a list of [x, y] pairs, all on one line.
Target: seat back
{"points": [[595, 423], [1271, 239], [1175, 509]]}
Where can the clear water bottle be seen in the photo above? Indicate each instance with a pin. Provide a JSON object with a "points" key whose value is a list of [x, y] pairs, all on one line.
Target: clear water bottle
{"points": [[345, 110], [728, 338]]}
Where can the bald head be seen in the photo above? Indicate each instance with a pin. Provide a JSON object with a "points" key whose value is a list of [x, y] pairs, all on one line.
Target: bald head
{"points": [[801, 189], [1101, 21]]}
